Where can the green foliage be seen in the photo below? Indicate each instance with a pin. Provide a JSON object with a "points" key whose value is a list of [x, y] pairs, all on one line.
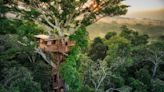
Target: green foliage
{"points": [[137, 86], [158, 85], [158, 45], [81, 38], [20, 79], [96, 41], [118, 47], [2, 89], [9, 26], [64, 18], [144, 76], [28, 86], [118, 81], [69, 72], [138, 53], [109, 35], [3, 9], [121, 59], [116, 40], [15, 54], [86, 89], [28, 29], [133, 36], [31, 14], [125, 89], [98, 49], [41, 73]]}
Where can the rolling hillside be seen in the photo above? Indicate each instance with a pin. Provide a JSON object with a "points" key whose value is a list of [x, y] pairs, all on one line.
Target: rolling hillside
{"points": [[154, 28]]}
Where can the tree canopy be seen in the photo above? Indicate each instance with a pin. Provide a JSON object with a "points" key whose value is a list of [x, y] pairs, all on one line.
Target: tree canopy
{"points": [[119, 62], [66, 16]]}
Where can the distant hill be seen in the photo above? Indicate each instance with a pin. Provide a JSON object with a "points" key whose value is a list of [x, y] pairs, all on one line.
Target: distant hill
{"points": [[154, 28], [132, 21], [156, 14]]}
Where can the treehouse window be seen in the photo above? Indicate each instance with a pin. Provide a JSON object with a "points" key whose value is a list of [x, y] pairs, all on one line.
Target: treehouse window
{"points": [[49, 42], [66, 43], [41, 41], [54, 42]]}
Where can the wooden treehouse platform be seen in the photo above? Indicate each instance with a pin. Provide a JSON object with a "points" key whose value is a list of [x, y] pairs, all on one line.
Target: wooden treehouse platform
{"points": [[50, 44], [59, 48]]}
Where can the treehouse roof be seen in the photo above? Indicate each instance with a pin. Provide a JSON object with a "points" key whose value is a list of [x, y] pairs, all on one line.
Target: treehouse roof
{"points": [[45, 37]]}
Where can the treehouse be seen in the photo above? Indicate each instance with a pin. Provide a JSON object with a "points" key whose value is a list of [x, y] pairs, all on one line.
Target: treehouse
{"points": [[51, 44], [60, 48]]}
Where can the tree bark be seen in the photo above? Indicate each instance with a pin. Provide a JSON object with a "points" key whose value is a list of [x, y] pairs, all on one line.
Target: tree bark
{"points": [[154, 70]]}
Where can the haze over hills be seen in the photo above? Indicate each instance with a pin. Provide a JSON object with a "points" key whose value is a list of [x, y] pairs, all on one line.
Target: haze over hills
{"points": [[154, 28], [144, 21], [155, 14], [132, 21]]}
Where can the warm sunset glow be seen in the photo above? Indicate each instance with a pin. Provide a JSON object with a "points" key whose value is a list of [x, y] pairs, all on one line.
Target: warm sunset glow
{"points": [[141, 5], [153, 9]]}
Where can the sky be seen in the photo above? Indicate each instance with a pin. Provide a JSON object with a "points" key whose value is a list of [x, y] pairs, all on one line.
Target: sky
{"points": [[142, 5]]}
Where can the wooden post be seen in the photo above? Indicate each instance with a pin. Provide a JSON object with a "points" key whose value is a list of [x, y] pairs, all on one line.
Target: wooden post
{"points": [[57, 83]]}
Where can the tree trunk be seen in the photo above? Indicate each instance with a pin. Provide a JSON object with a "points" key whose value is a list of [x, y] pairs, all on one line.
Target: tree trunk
{"points": [[154, 70]]}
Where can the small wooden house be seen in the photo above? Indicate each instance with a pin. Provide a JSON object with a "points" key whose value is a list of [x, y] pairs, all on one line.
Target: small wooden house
{"points": [[51, 44], [60, 48]]}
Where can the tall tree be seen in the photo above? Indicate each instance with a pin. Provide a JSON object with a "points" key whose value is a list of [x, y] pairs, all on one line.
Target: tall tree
{"points": [[65, 16], [156, 55]]}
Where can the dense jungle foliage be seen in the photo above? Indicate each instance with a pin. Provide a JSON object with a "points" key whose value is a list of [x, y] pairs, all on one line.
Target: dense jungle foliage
{"points": [[124, 62]]}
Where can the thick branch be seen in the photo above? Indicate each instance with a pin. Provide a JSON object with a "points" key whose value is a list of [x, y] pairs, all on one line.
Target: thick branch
{"points": [[101, 79], [50, 62], [52, 25]]}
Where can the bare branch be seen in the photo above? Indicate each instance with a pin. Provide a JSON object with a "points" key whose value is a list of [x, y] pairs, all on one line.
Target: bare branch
{"points": [[52, 25], [114, 89], [50, 62], [94, 83]]}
